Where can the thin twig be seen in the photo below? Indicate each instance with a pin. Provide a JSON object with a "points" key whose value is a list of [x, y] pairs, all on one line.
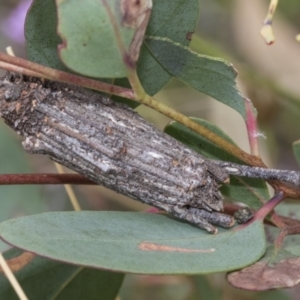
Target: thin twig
{"points": [[69, 189], [5, 267], [14, 179], [19, 70], [149, 101], [267, 31], [12, 279], [140, 96], [49, 73], [288, 176]]}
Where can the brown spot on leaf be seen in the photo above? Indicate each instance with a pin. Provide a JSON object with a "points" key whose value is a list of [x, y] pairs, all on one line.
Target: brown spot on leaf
{"points": [[261, 276], [145, 246], [19, 262], [136, 14]]}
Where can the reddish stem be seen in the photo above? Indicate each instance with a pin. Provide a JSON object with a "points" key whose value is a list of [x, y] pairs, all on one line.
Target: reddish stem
{"points": [[67, 77], [10, 179], [265, 209], [128, 93], [277, 220], [269, 206], [288, 230], [152, 210]]}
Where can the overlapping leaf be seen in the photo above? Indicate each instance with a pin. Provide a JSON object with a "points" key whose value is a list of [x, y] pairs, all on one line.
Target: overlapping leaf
{"points": [[212, 76], [134, 242], [42, 39], [278, 268], [171, 19], [40, 34], [248, 190], [101, 38], [45, 279], [17, 200]]}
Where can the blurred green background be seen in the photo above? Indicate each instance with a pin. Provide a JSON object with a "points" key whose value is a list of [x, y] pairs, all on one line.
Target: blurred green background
{"points": [[268, 75]]}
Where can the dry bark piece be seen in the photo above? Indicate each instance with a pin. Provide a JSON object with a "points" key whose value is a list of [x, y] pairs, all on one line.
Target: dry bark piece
{"points": [[19, 262], [112, 145]]}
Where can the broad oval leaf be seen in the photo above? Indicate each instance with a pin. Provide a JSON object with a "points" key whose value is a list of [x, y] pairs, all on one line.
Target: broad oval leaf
{"points": [[134, 242], [41, 39], [252, 192], [21, 199], [172, 19], [101, 38], [42, 278], [212, 76]]}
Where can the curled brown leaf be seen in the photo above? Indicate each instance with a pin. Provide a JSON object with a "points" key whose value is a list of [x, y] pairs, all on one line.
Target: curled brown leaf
{"points": [[261, 276], [136, 14], [19, 262]]}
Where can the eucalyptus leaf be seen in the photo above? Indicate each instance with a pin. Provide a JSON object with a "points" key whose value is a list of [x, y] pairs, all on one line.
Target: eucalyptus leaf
{"points": [[40, 34], [275, 270], [279, 267], [171, 19], [250, 191], [20, 199], [42, 40], [98, 36], [212, 76], [45, 279], [134, 242]]}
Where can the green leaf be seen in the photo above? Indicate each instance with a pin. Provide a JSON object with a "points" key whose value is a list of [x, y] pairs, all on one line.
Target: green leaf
{"points": [[46, 279], [42, 41], [98, 36], [279, 267], [134, 242], [296, 149], [174, 20], [248, 190], [40, 34], [212, 76], [20, 199]]}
